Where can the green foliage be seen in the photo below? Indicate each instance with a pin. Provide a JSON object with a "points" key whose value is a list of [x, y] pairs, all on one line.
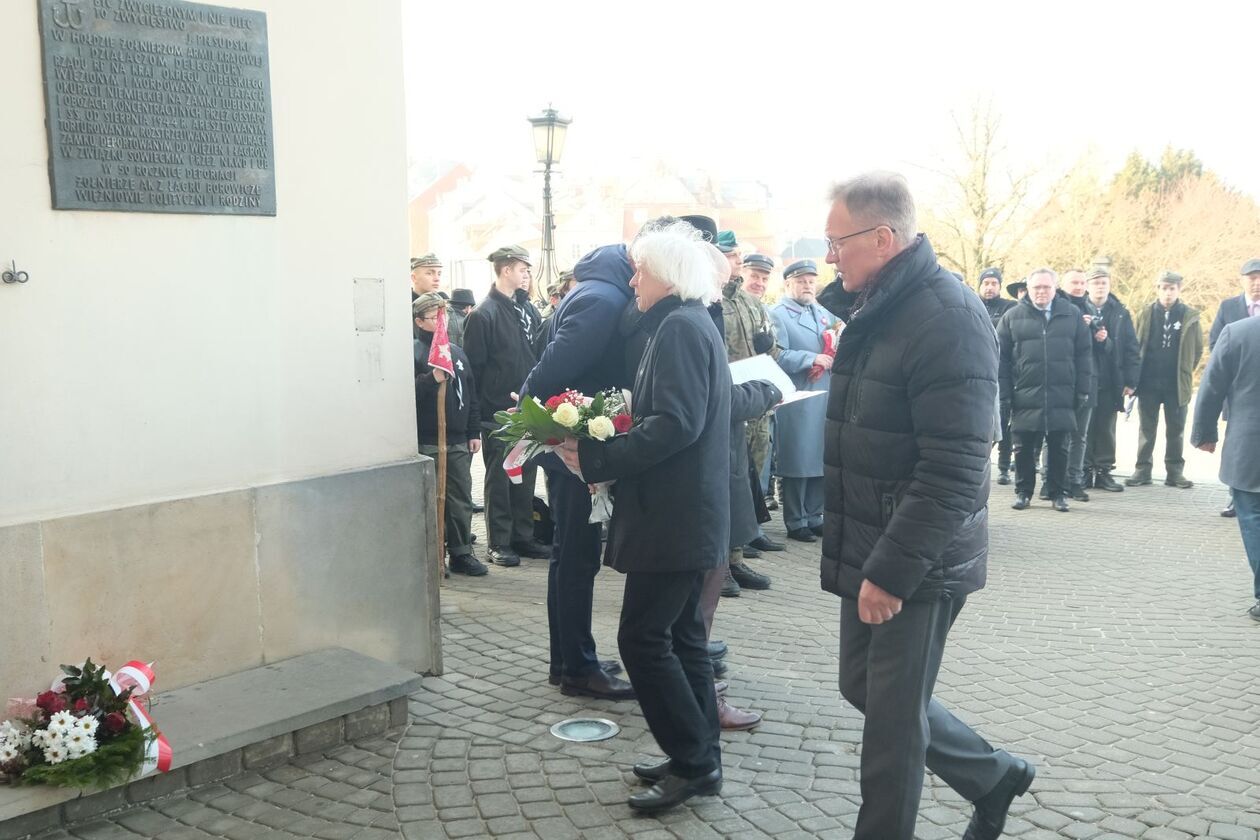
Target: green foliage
{"points": [[90, 683], [1175, 167], [115, 761]]}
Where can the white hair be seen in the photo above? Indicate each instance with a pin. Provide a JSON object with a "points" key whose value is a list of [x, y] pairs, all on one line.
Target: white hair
{"points": [[880, 198], [677, 255]]}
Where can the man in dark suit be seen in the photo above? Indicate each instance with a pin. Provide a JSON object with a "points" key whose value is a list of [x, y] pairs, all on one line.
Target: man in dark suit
{"points": [[1235, 309], [1233, 373]]}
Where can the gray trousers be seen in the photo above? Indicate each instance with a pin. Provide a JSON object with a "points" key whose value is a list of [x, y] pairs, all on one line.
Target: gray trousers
{"points": [[1076, 447], [457, 522], [888, 671], [802, 502], [509, 507]]}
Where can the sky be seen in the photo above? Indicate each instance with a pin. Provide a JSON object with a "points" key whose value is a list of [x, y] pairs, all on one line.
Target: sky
{"points": [[801, 94]]}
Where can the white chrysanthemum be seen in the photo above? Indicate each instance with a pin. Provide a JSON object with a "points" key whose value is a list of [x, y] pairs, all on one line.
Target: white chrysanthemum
{"points": [[7, 754], [40, 738], [567, 415], [60, 722], [87, 724], [601, 428], [76, 738], [55, 753]]}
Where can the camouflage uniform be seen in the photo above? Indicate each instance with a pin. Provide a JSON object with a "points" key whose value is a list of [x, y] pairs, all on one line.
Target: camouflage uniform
{"points": [[744, 317]]}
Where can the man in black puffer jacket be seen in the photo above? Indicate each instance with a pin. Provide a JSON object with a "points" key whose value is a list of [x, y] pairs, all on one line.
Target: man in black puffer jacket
{"points": [[910, 422], [1047, 377]]}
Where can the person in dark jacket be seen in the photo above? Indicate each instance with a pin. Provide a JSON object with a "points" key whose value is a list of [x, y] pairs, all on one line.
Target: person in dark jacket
{"points": [[1046, 375], [461, 304], [905, 536], [583, 352], [1117, 365], [1234, 309], [1170, 339], [991, 296], [463, 431], [499, 341], [671, 516]]}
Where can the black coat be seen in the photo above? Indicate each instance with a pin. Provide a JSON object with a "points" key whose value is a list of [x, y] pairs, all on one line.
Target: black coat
{"points": [[1047, 368], [672, 496], [997, 307], [500, 351], [1232, 309], [909, 430], [463, 415], [1117, 361]]}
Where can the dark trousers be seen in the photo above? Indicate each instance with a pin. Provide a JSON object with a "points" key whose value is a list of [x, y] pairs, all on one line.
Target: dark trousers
{"points": [[1100, 448], [1149, 404], [711, 590], [1247, 505], [1005, 444], [457, 521], [575, 557], [888, 671], [1076, 447], [1027, 445], [666, 656], [509, 507]]}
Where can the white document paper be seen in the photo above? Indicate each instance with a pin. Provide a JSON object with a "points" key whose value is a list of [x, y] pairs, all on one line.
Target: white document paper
{"points": [[762, 367]]}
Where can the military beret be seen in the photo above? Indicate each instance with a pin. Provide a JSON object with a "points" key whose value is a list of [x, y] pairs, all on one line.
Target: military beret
{"points": [[800, 267], [759, 261], [725, 241], [706, 226], [1251, 267], [427, 261], [1098, 272], [1170, 277], [463, 297], [426, 302], [995, 273], [510, 252], [565, 277]]}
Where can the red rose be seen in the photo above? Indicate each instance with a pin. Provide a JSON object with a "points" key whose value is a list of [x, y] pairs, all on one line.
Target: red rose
{"points": [[622, 423], [115, 722], [45, 700], [555, 402], [553, 441], [82, 705]]}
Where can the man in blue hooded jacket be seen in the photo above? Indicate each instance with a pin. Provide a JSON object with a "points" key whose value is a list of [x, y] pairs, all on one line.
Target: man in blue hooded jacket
{"points": [[584, 353]]}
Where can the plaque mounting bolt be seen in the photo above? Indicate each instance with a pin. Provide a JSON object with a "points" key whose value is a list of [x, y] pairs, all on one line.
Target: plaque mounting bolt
{"points": [[12, 275]]}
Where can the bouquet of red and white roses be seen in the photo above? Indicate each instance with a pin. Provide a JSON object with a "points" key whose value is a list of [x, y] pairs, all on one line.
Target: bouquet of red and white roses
{"points": [[87, 731], [536, 427]]}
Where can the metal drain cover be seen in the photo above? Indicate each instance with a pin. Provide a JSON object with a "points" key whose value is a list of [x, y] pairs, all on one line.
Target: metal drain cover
{"points": [[585, 729]]}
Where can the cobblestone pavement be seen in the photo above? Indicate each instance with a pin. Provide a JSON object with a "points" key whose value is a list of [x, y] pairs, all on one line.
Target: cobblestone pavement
{"points": [[1111, 647]]}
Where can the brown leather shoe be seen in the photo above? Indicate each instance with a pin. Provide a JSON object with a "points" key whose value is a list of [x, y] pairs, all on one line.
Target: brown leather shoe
{"points": [[735, 720]]}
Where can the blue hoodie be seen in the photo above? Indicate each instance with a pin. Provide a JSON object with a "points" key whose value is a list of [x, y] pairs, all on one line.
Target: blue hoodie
{"points": [[585, 351]]}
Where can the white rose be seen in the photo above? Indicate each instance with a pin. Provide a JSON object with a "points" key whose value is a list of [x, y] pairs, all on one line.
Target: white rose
{"points": [[567, 415], [601, 428]]}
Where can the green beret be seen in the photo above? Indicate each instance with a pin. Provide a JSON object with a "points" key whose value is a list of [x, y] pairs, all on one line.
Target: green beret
{"points": [[427, 261], [1170, 277], [1098, 272], [725, 241], [565, 277], [509, 253], [427, 301]]}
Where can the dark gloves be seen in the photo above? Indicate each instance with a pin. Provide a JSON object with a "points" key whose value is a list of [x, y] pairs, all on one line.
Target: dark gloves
{"points": [[762, 342]]}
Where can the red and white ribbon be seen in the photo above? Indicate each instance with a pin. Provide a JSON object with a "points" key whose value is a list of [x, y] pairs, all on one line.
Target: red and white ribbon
{"points": [[514, 461], [139, 677]]}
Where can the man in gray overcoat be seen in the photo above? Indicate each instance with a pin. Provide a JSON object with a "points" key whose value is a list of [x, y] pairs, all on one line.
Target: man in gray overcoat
{"points": [[802, 328]]}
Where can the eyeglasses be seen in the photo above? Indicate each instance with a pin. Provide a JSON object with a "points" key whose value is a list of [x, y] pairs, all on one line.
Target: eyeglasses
{"points": [[834, 242]]}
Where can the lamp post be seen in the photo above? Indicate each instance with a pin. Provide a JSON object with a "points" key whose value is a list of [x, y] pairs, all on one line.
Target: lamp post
{"points": [[549, 131]]}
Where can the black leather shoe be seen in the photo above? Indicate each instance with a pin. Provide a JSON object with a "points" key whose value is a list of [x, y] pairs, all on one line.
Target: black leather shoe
{"points": [[1004, 477], [991, 809], [466, 564], [476, 508], [1179, 481], [802, 535], [1229, 512], [1021, 501], [719, 667], [750, 553], [503, 557], [608, 666], [672, 791], [717, 649], [764, 543], [1060, 504], [747, 578], [1044, 495], [817, 530], [598, 684], [652, 771], [532, 549], [1104, 481], [1078, 493], [1140, 478], [730, 587]]}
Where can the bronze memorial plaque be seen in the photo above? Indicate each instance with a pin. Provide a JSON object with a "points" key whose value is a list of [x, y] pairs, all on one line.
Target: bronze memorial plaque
{"points": [[157, 106]]}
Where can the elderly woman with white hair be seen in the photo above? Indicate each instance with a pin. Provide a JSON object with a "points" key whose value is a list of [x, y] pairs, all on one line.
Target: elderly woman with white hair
{"points": [[672, 510]]}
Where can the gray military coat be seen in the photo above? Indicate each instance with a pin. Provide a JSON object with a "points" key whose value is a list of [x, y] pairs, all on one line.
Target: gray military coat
{"points": [[798, 427]]}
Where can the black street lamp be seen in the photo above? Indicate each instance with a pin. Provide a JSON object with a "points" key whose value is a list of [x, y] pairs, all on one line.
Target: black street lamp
{"points": [[549, 131]]}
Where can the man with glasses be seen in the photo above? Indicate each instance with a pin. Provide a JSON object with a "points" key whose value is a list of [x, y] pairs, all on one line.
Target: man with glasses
{"points": [[804, 331], [905, 540]]}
